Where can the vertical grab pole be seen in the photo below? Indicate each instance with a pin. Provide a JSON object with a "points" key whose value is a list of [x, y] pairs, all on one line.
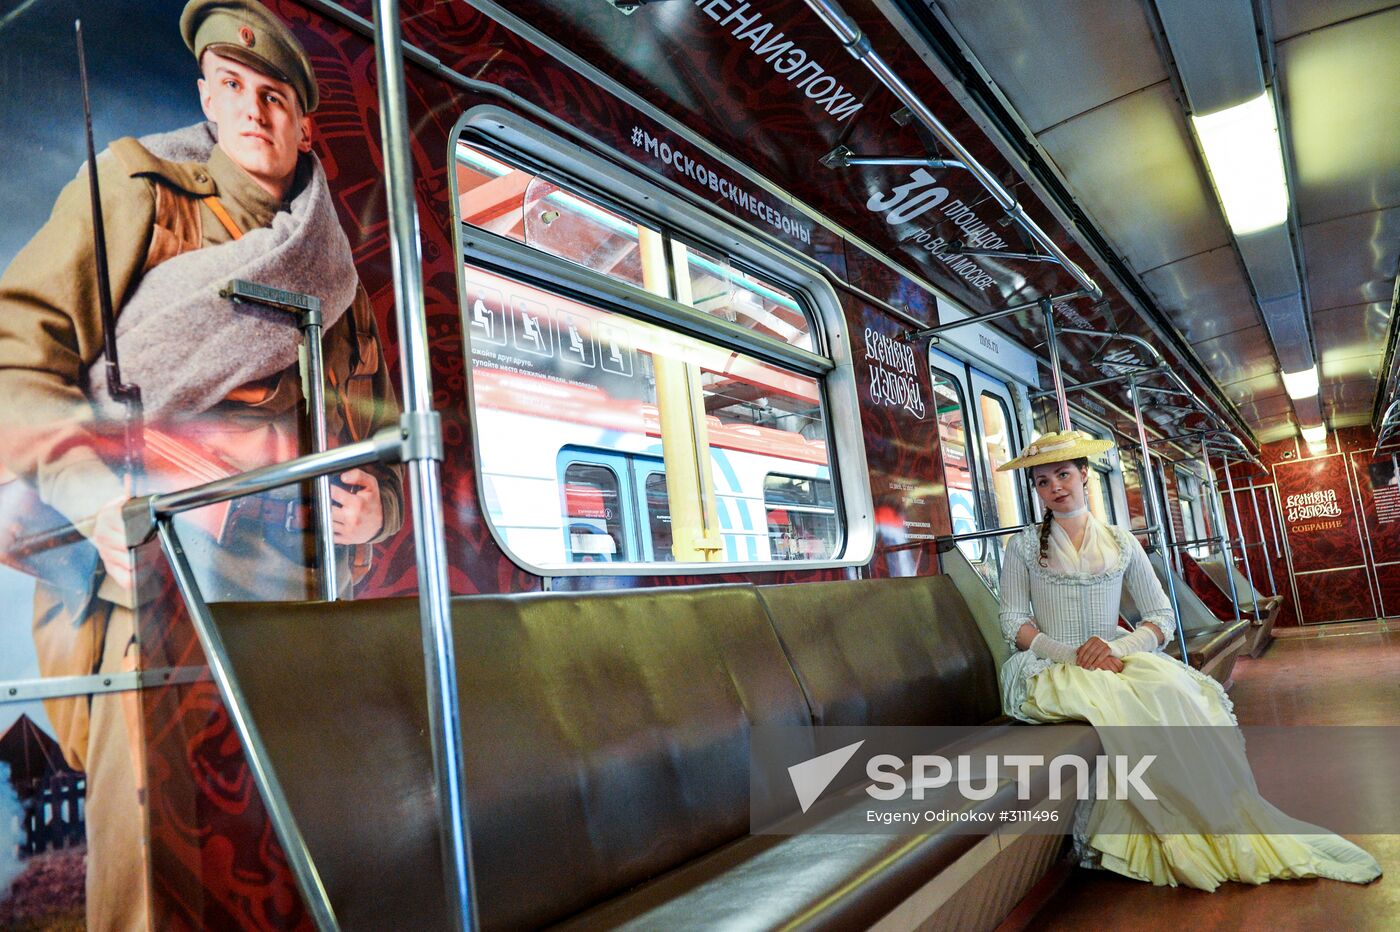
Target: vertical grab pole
{"points": [[1227, 549], [1244, 547], [423, 460], [1263, 544], [1057, 377], [314, 388], [1156, 516]]}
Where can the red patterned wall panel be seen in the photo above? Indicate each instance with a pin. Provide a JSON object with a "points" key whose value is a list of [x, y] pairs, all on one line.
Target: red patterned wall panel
{"points": [[1339, 595], [1324, 536]]}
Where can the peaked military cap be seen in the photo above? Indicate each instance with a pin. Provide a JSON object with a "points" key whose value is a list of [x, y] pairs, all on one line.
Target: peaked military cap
{"points": [[247, 32]]}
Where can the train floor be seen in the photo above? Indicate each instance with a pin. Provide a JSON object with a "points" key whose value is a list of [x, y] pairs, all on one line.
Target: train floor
{"points": [[1323, 679]]}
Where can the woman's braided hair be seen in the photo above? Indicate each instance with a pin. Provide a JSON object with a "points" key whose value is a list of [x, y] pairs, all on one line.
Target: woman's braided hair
{"points": [[1083, 463]]}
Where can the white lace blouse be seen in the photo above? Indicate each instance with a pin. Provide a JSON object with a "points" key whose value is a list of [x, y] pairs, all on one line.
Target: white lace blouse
{"points": [[1072, 606]]}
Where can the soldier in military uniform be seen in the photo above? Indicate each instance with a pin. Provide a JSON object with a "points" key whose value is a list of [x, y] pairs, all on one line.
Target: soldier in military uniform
{"points": [[181, 197]]}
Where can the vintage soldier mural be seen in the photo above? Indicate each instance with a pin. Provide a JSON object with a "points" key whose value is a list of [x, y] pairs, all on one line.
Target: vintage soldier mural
{"points": [[237, 196]]}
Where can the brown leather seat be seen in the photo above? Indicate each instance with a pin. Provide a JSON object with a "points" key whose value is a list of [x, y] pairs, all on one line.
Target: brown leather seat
{"points": [[1207, 637], [808, 881], [606, 743], [1263, 610], [605, 736], [886, 651], [1204, 644]]}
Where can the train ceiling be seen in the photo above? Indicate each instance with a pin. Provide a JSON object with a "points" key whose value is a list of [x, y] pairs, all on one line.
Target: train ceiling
{"points": [[1079, 109], [1101, 91]]}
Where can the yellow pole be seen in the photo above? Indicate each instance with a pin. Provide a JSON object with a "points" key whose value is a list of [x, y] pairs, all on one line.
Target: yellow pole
{"points": [[685, 446]]}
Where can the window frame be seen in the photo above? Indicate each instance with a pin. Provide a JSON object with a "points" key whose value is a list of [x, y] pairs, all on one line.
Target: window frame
{"points": [[632, 193]]}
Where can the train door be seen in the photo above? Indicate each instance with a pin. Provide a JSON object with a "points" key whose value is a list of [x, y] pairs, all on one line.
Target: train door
{"points": [[1000, 441], [599, 491], [653, 508]]}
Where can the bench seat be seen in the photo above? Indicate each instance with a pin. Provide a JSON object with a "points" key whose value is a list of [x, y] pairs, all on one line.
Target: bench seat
{"points": [[1263, 610], [1212, 645], [606, 741], [805, 881]]}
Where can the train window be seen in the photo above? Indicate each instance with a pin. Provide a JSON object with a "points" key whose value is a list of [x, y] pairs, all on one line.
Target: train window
{"points": [[710, 284], [802, 521], [534, 210], [696, 365], [1188, 491], [958, 475], [658, 511], [996, 448], [1100, 494], [593, 513]]}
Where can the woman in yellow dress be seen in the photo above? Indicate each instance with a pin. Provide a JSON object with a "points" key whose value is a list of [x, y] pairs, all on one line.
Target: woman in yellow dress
{"points": [[1060, 588]]}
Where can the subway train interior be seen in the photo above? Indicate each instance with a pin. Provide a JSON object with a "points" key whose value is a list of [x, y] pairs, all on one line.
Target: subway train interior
{"points": [[452, 450]]}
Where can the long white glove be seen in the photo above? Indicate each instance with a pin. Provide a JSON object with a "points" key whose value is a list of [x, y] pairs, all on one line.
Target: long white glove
{"points": [[1142, 639], [1050, 649]]}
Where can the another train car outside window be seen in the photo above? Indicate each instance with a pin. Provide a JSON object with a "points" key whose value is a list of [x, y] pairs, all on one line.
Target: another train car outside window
{"points": [[802, 521], [553, 372], [711, 284], [593, 513]]}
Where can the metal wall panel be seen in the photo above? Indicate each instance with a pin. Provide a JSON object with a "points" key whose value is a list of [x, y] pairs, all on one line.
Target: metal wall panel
{"points": [[1292, 17], [1054, 59], [1351, 337], [1341, 87], [1247, 390], [1132, 165], [1274, 406], [1352, 260], [1206, 295], [1244, 354], [1348, 396]]}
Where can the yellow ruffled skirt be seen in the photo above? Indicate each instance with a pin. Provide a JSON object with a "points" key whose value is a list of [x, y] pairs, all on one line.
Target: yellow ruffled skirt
{"points": [[1200, 776]]}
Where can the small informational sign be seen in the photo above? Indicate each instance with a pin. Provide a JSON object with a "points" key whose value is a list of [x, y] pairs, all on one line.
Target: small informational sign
{"points": [[1384, 473]]}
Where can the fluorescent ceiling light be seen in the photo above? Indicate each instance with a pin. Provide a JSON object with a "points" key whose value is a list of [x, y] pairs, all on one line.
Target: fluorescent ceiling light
{"points": [[1315, 435], [1301, 384], [1241, 147]]}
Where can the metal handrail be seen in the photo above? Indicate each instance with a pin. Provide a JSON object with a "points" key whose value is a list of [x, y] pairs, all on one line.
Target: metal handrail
{"points": [[978, 535], [1160, 364], [1198, 542], [858, 45], [934, 331], [424, 467], [154, 515], [140, 514]]}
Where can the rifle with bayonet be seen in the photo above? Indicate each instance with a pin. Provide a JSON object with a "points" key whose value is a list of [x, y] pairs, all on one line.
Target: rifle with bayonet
{"points": [[23, 550]]}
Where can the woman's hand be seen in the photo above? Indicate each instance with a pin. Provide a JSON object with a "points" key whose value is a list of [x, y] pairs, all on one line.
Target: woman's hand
{"points": [[1110, 663], [1094, 654]]}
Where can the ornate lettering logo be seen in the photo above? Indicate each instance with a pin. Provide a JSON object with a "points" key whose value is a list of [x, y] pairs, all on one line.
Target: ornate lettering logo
{"points": [[894, 378]]}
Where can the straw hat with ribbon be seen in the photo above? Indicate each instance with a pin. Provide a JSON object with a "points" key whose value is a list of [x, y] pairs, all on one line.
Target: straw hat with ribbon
{"points": [[1056, 448]]}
